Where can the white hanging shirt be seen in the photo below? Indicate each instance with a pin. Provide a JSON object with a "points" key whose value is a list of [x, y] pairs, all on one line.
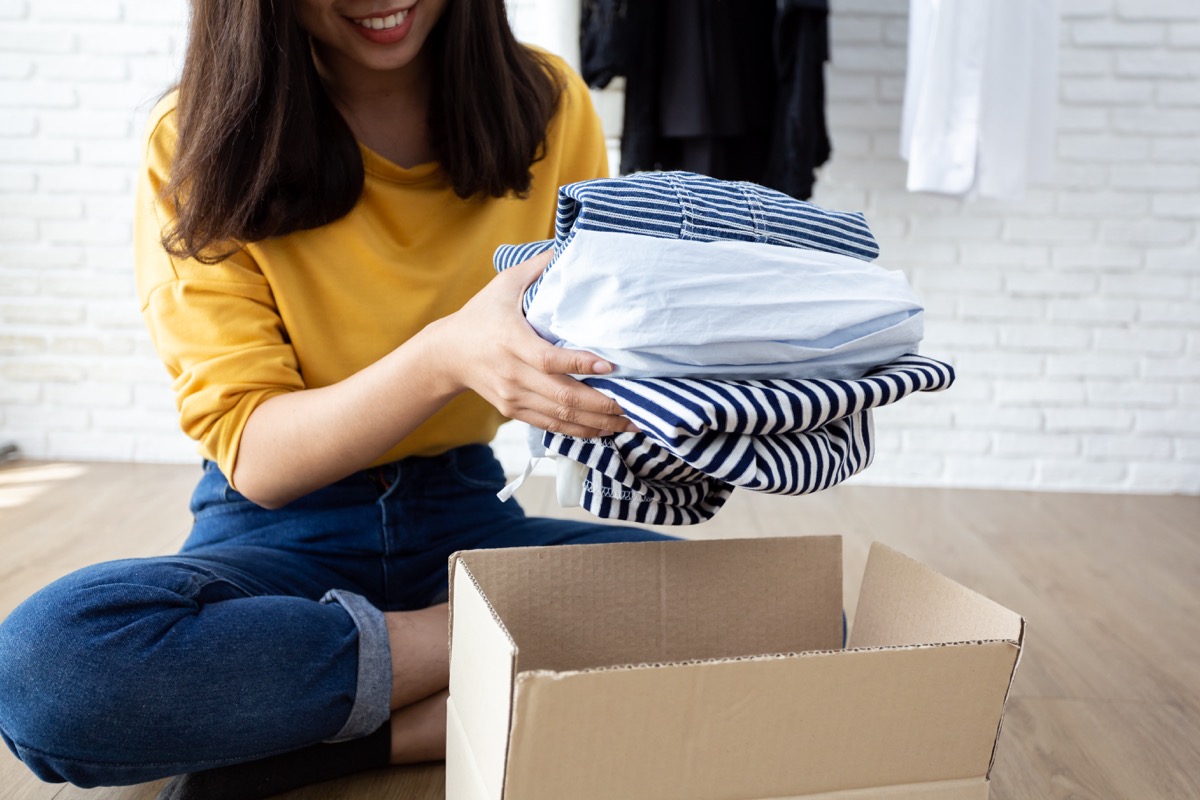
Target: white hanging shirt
{"points": [[980, 96]]}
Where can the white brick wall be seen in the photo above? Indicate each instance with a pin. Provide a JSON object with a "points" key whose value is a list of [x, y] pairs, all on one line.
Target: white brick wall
{"points": [[78, 378], [1073, 317]]}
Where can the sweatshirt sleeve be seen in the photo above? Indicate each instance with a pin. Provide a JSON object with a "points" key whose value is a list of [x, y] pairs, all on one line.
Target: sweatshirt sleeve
{"points": [[215, 326]]}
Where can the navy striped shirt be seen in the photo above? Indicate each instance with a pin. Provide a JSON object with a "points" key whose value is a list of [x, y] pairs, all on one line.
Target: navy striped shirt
{"points": [[700, 439]]}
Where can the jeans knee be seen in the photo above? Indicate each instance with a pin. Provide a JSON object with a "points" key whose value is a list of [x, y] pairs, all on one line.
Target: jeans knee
{"points": [[70, 656], [36, 680]]}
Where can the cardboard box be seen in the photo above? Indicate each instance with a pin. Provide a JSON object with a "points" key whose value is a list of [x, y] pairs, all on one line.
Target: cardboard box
{"points": [[715, 671]]}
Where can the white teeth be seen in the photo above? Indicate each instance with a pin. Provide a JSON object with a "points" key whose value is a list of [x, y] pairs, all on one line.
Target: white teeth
{"points": [[383, 23]]}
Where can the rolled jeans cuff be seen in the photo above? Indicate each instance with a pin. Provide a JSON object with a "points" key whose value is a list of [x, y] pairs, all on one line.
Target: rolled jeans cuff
{"points": [[373, 697]]}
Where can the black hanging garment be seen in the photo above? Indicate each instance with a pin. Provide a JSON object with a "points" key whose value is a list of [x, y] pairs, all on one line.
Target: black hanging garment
{"points": [[800, 139], [733, 89], [621, 38]]}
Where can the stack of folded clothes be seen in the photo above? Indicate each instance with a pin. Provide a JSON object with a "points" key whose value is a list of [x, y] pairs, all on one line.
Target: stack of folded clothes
{"points": [[750, 332]]}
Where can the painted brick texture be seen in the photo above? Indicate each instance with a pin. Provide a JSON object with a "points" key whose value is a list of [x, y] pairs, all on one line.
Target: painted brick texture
{"points": [[78, 377], [1073, 316]]}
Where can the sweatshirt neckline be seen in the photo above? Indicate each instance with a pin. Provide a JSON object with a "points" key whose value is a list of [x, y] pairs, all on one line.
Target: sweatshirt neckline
{"points": [[389, 170]]}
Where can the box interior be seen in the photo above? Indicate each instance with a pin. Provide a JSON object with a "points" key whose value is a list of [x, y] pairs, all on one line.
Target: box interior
{"points": [[645, 603]]}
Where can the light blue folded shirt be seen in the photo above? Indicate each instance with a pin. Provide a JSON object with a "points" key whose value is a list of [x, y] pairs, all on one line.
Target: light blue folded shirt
{"points": [[682, 308]]}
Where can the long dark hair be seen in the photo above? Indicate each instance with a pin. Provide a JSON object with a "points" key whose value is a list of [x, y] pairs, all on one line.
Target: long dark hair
{"points": [[263, 152]]}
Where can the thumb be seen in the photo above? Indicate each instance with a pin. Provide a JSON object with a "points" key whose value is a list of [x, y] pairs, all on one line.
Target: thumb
{"points": [[528, 271]]}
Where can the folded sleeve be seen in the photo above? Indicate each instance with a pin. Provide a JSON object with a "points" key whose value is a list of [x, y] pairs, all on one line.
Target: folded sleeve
{"points": [[216, 327]]}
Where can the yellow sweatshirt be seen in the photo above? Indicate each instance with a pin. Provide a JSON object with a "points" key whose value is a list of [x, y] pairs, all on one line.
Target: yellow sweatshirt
{"points": [[311, 308]]}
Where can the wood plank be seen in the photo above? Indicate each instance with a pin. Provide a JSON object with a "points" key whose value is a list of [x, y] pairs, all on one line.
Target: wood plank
{"points": [[17, 783], [418, 782], [142, 791], [57, 518], [1060, 749]]}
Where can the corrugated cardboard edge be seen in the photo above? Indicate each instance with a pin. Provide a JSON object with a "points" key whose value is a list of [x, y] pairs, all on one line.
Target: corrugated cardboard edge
{"points": [[453, 561], [966, 789], [556, 674], [459, 567], [1004, 708]]}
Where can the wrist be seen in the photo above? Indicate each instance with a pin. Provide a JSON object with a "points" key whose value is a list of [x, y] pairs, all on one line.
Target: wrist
{"points": [[440, 365]]}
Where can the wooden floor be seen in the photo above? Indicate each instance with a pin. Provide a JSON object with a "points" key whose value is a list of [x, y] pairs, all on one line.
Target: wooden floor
{"points": [[1107, 699]]}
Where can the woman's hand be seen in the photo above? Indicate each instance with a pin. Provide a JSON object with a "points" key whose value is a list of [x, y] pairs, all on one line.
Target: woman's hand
{"points": [[489, 347]]}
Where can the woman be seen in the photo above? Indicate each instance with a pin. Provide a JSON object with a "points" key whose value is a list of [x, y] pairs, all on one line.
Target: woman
{"points": [[316, 214]]}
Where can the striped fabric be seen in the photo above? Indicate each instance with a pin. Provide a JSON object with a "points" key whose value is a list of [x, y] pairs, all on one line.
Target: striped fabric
{"points": [[683, 205], [701, 439]]}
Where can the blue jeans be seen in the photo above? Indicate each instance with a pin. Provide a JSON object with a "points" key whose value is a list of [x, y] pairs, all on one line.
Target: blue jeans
{"points": [[263, 635]]}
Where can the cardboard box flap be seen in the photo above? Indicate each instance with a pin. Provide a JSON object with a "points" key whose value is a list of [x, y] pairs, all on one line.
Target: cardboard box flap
{"points": [[463, 780], [904, 602], [779, 727], [583, 606], [969, 789], [482, 668]]}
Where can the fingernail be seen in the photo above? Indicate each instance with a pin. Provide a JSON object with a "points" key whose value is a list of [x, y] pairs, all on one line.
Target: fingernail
{"points": [[631, 428], [602, 367]]}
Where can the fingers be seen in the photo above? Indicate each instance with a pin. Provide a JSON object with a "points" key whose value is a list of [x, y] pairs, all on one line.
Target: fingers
{"points": [[536, 351], [576, 403], [550, 360], [557, 426], [560, 361], [564, 405], [538, 390]]}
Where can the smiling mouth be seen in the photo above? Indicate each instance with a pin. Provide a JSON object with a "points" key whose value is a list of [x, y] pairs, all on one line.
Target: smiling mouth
{"points": [[383, 23]]}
